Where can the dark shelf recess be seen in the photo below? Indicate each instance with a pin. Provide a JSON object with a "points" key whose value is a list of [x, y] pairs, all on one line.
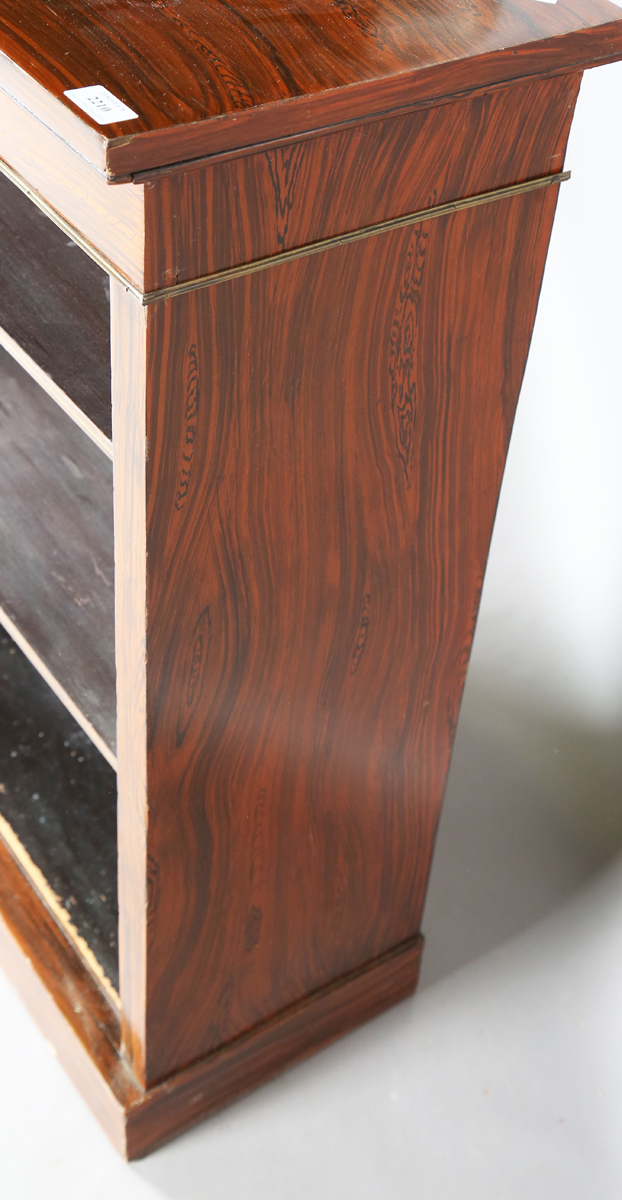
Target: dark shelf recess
{"points": [[56, 544], [59, 796], [54, 301]]}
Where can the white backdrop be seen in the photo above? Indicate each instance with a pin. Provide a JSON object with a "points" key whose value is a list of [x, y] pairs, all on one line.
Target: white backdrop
{"points": [[551, 619]]}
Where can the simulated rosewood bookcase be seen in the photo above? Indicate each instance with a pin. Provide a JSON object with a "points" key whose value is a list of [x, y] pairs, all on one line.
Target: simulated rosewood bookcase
{"points": [[267, 292]]}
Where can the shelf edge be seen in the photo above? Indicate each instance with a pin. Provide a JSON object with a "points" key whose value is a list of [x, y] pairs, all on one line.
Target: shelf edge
{"points": [[64, 401], [52, 902], [37, 662]]}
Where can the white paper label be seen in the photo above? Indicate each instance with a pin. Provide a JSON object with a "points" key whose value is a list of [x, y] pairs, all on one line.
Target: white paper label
{"points": [[99, 103]]}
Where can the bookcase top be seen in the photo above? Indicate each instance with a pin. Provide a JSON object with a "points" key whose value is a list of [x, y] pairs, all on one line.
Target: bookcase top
{"points": [[208, 77]]}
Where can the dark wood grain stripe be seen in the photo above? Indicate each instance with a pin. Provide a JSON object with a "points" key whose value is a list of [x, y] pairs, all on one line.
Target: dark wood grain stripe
{"points": [[356, 235], [283, 202]]}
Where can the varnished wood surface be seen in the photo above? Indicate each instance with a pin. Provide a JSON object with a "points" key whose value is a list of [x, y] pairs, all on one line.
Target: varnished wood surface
{"points": [[324, 446], [207, 79], [54, 302], [58, 796], [289, 1037], [265, 203], [56, 544], [84, 1030], [129, 363], [112, 219], [321, 499]]}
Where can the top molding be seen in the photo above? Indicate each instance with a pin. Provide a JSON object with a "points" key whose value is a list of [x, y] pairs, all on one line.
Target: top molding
{"points": [[212, 78]]}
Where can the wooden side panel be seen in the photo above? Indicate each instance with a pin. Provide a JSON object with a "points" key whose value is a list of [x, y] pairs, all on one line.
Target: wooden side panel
{"points": [[235, 1069], [128, 340], [112, 218], [327, 441], [232, 212]]}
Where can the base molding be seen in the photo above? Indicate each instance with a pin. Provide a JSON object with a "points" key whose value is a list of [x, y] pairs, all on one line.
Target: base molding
{"points": [[84, 1029], [269, 1048]]}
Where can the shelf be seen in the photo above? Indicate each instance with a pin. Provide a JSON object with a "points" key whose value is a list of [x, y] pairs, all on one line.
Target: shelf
{"points": [[54, 304], [58, 813], [56, 551]]}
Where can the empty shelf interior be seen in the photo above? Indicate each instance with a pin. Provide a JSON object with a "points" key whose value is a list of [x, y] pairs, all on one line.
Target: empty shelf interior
{"points": [[56, 549], [58, 812], [54, 302]]}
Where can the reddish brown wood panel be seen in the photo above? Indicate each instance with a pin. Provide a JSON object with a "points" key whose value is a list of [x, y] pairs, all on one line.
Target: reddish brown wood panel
{"points": [[175, 1105], [327, 446], [84, 1030], [281, 198], [266, 69]]}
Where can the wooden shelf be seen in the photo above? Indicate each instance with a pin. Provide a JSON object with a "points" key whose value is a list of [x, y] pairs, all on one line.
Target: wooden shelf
{"points": [[54, 303], [56, 550], [58, 813]]}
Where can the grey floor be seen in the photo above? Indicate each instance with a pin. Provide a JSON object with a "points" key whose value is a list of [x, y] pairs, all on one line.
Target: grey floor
{"points": [[502, 1078]]}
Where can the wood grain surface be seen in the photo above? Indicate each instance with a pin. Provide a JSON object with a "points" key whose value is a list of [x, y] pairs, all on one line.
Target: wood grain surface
{"points": [[110, 218], [265, 203], [326, 448], [166, 1110], [307, 464], [204, 80], [56, 545], [84, 1029]]}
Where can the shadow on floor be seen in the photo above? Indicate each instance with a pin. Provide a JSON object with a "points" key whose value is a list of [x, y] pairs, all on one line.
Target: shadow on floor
{"points": [[532, 814], [533, 809]]}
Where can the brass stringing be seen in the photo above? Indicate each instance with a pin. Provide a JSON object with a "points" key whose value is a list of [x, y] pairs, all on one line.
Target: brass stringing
{"points": [[274, 260]]}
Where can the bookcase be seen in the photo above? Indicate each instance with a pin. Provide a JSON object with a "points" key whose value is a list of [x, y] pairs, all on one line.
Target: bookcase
{"points": [[261, 342]]}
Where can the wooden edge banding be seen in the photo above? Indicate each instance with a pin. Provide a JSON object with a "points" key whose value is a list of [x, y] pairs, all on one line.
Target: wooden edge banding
{"points": [[54, 114], [185, 166], [415, 87], [273, 260], [128, 331], [61, 995], [45, 673], [356, 235], [180, 1102], [102, 261], [55, 906], [46, 382]]}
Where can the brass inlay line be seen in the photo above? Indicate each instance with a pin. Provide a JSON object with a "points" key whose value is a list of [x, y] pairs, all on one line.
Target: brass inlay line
{"points": [[275, 260], [344, 239]]}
